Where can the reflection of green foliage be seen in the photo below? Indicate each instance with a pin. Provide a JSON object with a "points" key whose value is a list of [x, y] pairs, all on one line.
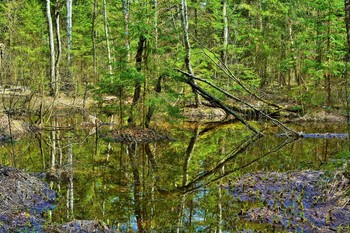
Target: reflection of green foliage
{"points": [[106, 186]]}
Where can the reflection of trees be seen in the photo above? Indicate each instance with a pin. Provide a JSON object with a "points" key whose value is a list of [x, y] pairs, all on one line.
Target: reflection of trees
{"points": [[188, 157], [137, 186], [201, 180]]}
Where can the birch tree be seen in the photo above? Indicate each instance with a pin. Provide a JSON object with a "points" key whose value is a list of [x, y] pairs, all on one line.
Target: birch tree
{"points": [[125, 4], [224, 33], [184, 22], [69, 30], [52, 49], [58, 8], [107, 36]]}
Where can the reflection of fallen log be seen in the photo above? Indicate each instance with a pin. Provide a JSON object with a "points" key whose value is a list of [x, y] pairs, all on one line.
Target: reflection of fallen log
{"points": [[320, 135]]}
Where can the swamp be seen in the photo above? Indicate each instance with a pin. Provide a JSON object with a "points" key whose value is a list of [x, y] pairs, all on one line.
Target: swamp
{"points": [[174, 116]]}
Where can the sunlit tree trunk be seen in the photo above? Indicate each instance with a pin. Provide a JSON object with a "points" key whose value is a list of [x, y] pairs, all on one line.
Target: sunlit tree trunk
{"points": [[125, 4], [184, 22], [59, 45], [69, 30], [93, 37], [52, 49], [107, 36], [224, 33]]}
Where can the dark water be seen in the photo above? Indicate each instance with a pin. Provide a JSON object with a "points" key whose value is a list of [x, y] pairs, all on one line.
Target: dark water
{"points": [[168, 186]]}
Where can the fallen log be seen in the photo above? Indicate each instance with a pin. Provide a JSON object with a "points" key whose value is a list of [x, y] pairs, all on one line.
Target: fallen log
{"points": [[320, 135], [288, 131]]}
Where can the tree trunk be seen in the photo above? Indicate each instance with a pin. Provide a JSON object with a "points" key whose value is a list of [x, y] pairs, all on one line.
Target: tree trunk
{"points": [[58, 8], [328, 76], [184, 22], [107, 36], [137, 89], [126, 28], [69, 30], [93, 37], [52, 49], [224, 33]]}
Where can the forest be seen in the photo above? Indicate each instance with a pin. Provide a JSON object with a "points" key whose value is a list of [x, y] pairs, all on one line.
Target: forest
{"points": [[293, 50], [177, 103]]}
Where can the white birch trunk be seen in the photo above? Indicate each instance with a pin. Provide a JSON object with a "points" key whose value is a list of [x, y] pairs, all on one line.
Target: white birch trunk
{"points": [[69, 30], [225, 32], [184, 21], [59, 48], [93, 37], [107, 36], [126, 28], [52, 49]]}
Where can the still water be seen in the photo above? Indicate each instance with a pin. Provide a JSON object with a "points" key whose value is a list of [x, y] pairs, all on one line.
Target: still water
{"points": [[164, 186]]}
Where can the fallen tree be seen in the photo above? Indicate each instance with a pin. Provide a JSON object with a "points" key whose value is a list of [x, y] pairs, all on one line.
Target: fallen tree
{"points": [[218, 103]]}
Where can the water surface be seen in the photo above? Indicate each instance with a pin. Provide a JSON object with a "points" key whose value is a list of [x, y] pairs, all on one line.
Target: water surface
{"points": [[165, 186]]}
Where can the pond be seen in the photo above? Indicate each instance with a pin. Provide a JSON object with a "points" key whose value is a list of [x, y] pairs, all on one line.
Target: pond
{"points": [[165, 186]]}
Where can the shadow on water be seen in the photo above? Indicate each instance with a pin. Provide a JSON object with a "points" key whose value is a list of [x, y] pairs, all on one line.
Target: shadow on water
{"points": [[166, 186]]}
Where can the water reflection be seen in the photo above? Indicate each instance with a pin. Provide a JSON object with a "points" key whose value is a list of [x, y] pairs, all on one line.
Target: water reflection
{"points": [[172, 186]]}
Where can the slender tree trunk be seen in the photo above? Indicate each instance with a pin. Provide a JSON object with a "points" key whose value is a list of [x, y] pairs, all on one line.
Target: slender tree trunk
{"points": [[2, 51], [328, 76], [93, 37], [224, 33], [107, 36], [59, 45], [69, 30], [52, 49], [126, 28], [184, 22]]}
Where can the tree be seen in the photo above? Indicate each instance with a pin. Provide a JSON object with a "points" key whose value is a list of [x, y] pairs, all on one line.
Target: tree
{"points": [[187, 59], [53, 81]]}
